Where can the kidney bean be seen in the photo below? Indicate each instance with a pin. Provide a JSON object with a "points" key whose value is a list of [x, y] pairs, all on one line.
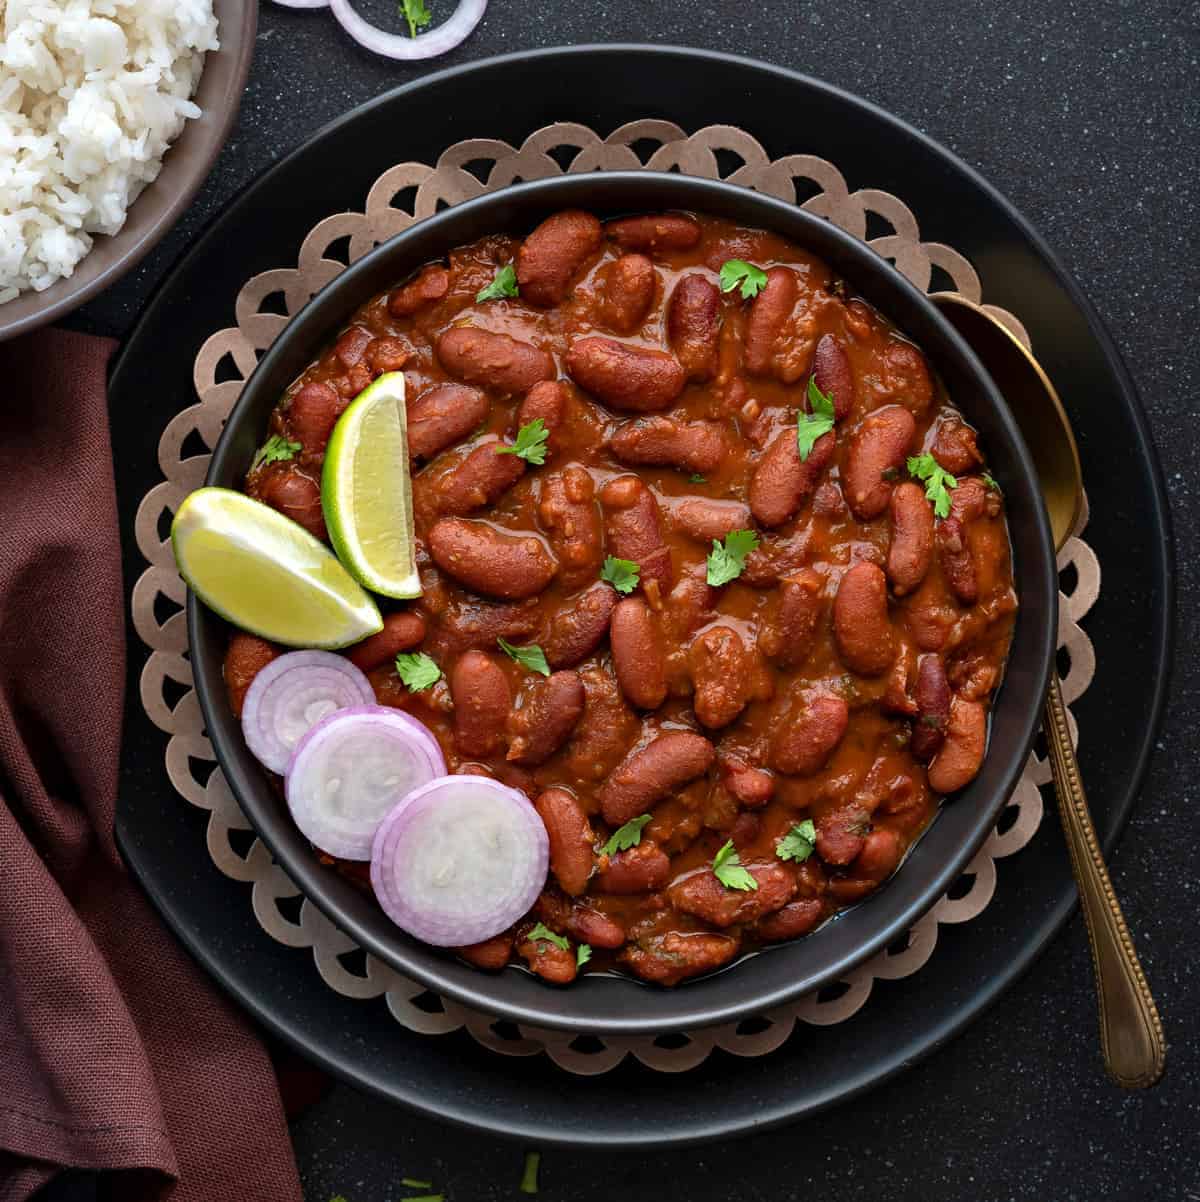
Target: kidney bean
{"points": [[490, 561], [663, 441], [706, 519], [312, 414], [911, 550], [443, 415], [579, 628], [297, 496], [549, 961], [790, 637], [769, 310], [629, 284], [689, 605], [479, 479], [553, 253], [401, 632], [667, 959], [493, 360], [634, 532], [625, 377], [638, 656], [933, 708], [828, 501], [570, 834], [954, 446], [637, 870], [604, 734], [969, 499], [782, 480], [973, 674], [701, 894], [652, 772], [387, 354], [752, 787], [833, 374], [245, 658], [569, 515], [551, 709], [908, 376], [929, 614], [655, 231], [880, 854], [895, 699], [803, 744], [960, 756], [353, 382], [593, 928], [776, 557], [431, 285], [841, 834], [721, 673], [958, 567], [862, 630], [694, 325], [482, 700], [877, 449], [795, 919], [491, 955], [547, 399], [352, 345], [467, 625]]}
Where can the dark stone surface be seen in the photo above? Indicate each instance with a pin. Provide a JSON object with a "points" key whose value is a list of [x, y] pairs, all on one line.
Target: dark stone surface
{"points": [[1086, 117]]}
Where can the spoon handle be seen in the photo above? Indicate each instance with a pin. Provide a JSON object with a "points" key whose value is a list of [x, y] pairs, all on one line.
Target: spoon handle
{"points": [[1131, 1032]]}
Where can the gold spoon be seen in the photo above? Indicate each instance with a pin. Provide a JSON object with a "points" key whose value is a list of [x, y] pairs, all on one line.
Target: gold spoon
{"points": [[1131, 1033]]}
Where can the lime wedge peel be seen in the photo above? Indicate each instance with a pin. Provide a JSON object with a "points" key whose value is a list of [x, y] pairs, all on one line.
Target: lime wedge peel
{"points": [[265, 574], [366, 492]]}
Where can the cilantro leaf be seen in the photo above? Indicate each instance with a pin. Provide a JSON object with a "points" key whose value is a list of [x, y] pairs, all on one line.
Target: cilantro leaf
{"points": [[735, 272], [696, 478], [627, 836], [798, 843], [416, 14], [504, 283], [417, 670], [531, 657], [622, 574], [529, 1180], [275, 450], [938, 481], [726, 560], [727, 868], [817, 422], [583, 953], [989, 482], [530, 444], [543, 932]]}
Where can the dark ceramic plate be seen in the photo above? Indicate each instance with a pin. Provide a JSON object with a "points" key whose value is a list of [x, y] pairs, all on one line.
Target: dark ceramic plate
{"points": [[452, 1077], [609, 1003]]}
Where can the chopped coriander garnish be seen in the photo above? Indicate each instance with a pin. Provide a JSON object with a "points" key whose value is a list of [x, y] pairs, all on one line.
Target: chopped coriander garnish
{"points": [[727, 868], [627, 836], [413, 1183], [726, 560], [696, 478], [938, 481], [275, 450], [813, 425], [543, 932], [531, 657], [417, 670], [989, 482], [735, 272], [503, 284], [530, 444], [416, 14], [529, 1179], [798, 843], [622, 574], [583, 953]]}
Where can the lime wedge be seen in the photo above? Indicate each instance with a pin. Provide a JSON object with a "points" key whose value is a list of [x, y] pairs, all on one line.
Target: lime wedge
{"points": [[366, 492], [265, 574]]}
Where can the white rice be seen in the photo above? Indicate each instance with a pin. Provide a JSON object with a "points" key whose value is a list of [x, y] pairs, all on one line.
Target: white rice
{"points": [[92, 92]]}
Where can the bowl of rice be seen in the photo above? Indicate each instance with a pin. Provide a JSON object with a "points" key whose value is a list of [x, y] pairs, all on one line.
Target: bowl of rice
{"points": [[112, 112]]}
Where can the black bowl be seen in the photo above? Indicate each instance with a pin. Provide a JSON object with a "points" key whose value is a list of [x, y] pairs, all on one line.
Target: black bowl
{"points": [[598, 1002]]}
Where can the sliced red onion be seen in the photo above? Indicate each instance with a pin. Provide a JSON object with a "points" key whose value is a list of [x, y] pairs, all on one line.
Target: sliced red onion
{"points": [[302, 3], [351, 769], [291, 695], [459, 860], [425, 45]]}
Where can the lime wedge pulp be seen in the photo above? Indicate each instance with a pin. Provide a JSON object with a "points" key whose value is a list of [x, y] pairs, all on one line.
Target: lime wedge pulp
{"points": [[366, 492], [265, 574]]}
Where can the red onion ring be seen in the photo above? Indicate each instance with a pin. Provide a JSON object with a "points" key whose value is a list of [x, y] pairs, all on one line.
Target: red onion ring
{"points": [[425, 45], [302, 3], [459, 860]]}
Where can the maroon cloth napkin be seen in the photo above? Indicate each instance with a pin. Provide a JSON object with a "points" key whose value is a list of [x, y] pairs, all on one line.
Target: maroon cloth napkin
{"points": [[116, 1052]]}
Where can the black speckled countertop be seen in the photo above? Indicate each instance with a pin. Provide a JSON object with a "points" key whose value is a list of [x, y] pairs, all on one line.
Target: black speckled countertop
{"points": [[1087, 116]]}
